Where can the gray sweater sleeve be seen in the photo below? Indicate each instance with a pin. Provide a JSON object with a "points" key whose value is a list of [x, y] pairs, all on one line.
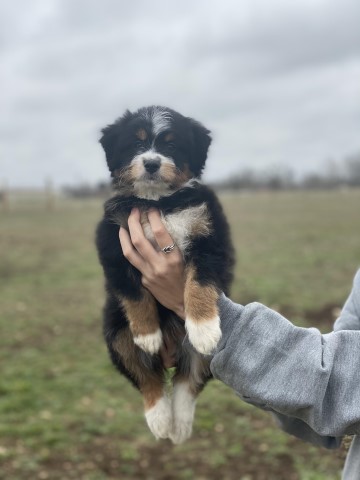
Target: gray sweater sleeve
{"points": [[312, 381]]}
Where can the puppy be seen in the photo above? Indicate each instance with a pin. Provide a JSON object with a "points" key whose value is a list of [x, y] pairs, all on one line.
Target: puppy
{"points": [[156, 157]]}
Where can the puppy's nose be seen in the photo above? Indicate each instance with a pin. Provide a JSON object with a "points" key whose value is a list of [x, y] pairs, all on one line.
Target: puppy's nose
{"points": [[152, 165]]}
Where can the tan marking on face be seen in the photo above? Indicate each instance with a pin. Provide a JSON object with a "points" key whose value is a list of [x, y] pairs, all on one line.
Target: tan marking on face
{"points": [[176, 177], [123, 180], [136, 170], [142, 314], [126, 175], [200, 301], [141, 134], [169, 137], [168, 172]]}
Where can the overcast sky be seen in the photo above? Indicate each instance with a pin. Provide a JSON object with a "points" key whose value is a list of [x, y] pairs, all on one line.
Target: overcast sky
{"points": [[277, 82]]}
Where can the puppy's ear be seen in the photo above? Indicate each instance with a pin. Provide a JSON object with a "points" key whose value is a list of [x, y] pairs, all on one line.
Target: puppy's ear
{"points": [[108, 142], [111, 137], [201, 142]]}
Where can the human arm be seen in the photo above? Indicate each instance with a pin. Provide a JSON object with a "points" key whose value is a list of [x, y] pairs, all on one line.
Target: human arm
{"points": [[348, 320], [293, 371]]}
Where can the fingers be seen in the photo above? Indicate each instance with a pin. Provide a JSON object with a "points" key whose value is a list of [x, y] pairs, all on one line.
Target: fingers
{"points": [[161, 235], [138, 239], [129, 251]]}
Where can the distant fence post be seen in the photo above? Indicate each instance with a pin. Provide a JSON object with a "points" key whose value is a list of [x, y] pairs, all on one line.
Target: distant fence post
{"points": [[4, 197], [49, 196]]}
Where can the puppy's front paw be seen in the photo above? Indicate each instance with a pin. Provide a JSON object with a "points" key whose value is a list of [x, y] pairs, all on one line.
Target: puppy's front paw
{"points": [[150, 343], [204, 335], [159, 418]]}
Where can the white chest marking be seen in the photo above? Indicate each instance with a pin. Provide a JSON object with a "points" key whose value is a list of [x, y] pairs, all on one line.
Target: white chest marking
{"points": [[183, 226]]}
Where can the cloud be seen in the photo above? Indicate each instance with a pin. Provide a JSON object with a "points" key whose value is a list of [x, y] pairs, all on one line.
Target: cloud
{"points": [[276, 82]]}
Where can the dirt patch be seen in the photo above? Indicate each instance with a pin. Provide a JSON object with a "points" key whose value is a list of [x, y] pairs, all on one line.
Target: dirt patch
{"points": [[160, 462], [322, 318], [110, 458]]}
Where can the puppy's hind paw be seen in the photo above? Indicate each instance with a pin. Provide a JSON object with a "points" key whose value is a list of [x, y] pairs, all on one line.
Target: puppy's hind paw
{"points": [[159, 418], [181, 431], [183, 411], [150, 343], [204, 335]]}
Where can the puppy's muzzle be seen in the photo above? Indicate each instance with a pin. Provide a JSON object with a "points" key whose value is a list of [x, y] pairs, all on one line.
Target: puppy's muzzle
{"points": [[152, 165]]}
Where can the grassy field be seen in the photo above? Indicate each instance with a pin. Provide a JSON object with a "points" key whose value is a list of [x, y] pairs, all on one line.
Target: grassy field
{"points": [[64, 411]]}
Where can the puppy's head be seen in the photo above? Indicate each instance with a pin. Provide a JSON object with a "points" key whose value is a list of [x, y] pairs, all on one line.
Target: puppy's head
{"points": [[154, 151]]}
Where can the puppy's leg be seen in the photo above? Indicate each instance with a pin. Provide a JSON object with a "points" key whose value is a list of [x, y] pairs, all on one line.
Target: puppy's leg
{"points": [[147, 374], [187, 387], [202, 317], [183, 407], [143, 318], [157, 407]]}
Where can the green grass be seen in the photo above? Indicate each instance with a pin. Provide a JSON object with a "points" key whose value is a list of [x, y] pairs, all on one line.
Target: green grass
{"points": [[295, 249], [65, 413]]}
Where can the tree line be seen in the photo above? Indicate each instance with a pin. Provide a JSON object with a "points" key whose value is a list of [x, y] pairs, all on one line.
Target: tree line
{"points": [[332, 176]]}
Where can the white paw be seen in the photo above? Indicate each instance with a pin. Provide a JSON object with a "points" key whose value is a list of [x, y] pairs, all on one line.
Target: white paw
{"points": [[204, 335], [159, 418], [150, 343], [183, 411], [182, 430]]}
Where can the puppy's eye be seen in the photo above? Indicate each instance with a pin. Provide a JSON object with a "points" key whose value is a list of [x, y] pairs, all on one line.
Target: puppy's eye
{"points": [[169, 140], [141, 145]]}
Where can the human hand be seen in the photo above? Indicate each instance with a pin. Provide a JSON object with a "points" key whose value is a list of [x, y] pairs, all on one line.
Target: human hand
{"points": [[162, 274]]}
